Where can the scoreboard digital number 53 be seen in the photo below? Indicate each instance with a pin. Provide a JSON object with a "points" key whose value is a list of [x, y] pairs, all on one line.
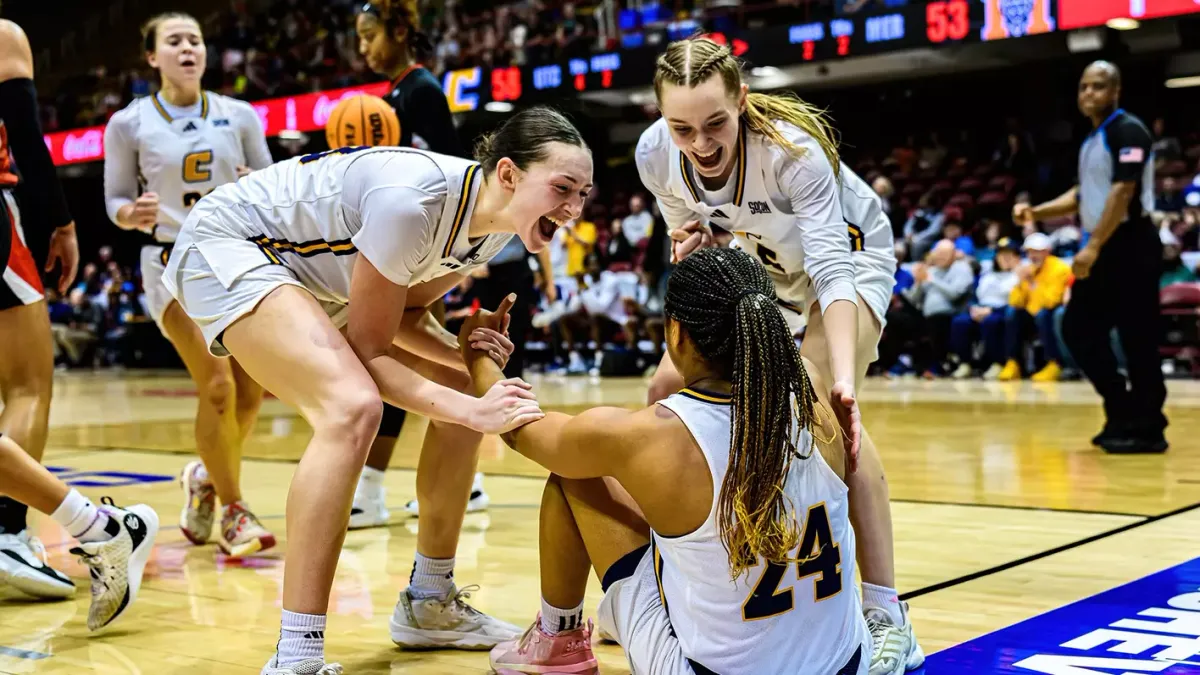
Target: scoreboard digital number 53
{"points": [[947, 20]]}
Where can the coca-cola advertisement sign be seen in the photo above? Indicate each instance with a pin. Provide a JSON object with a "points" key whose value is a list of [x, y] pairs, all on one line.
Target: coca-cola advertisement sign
{"points": [[306, 112]]}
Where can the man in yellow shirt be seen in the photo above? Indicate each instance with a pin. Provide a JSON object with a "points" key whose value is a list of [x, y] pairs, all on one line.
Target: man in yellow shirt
{"points": [[1044, 280], [580, 239]]}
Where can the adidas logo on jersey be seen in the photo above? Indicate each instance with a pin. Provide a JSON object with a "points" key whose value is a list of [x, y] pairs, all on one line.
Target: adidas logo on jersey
{"points": [[718, 213], [451, 264], [759, 208], [191, 126]]}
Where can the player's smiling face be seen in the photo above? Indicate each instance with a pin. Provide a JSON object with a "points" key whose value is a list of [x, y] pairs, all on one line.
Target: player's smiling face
{"points": [[704, 123], [179, 51], [549, 194]]}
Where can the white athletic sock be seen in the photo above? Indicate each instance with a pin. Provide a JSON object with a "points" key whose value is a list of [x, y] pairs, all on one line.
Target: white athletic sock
{"points": [[555, 620], [431, 578], [301, 636], [82, 520], [886, 599], [372, 475], [202, 474]]}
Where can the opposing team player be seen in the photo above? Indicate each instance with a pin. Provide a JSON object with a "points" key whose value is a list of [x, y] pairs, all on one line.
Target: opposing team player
{"points": [[391, 42], [271, 267], [114, 543], [162, 154], [766, 168], [717, 519], [33, 212]]}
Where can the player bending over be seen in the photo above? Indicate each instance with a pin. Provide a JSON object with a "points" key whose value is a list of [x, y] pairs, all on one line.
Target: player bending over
{"points": [[271, 268], [717, 519]]}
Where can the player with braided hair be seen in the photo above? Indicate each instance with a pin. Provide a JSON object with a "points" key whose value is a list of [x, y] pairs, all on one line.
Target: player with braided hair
{"points": [[740, 470], [765, 167]]}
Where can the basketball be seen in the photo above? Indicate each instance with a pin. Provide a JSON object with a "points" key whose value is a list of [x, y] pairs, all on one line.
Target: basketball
{"points": [[362, 120]]}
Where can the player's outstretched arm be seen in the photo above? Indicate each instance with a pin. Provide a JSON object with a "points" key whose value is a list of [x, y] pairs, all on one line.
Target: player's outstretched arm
{"points": [[594, 443]]}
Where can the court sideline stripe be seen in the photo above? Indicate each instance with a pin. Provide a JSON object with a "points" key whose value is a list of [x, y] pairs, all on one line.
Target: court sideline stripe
{"points": [[1019, 507], [949, 583]]}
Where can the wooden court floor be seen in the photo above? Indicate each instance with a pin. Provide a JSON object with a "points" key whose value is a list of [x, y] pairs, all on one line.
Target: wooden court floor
{"points": [[1002, 511]]}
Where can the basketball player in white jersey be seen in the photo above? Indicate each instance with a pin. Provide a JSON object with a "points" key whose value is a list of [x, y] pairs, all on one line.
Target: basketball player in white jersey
{"points": [[766, 168], [274, 267], [114, 543], [717, 518], [162, 153]]}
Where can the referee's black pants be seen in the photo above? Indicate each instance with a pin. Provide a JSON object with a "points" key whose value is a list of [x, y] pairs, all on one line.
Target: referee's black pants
{"points": [[1122, 292]]}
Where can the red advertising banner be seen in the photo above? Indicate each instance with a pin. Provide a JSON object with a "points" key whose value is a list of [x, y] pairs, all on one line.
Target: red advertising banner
{"points": [[1082, 13], [306, 112]]}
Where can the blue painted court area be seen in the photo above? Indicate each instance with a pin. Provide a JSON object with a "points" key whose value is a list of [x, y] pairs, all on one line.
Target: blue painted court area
{"points": [[76, 478], [1151, 625]]}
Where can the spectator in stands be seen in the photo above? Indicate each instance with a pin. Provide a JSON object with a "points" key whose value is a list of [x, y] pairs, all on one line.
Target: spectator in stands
{"points": [[942, 286], [992, 229], [903, 320], [952, 230], [81, 328], [599, 312], [1170, 197], [923, 228], [637, 225], [1043, 281], [986, 316], [884, 188], [1174, 269]]}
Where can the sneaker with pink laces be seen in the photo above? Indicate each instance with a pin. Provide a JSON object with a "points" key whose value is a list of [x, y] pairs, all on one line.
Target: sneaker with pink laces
{"points": [[538, 652], [241, 533]]}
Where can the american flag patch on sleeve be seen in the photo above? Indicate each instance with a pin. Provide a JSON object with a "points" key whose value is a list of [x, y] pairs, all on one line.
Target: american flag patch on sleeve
{"points": [[1131, 156]]}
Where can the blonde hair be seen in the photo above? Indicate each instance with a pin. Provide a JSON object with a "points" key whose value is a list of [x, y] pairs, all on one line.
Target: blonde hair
{"points": [[150, 27], [689, 63]]}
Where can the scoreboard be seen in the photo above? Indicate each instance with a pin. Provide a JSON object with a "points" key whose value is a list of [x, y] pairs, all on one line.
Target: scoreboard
{"points": [[1082, 13], [933, 24]]}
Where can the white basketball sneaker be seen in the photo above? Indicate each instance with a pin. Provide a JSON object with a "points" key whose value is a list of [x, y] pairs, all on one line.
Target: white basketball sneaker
{"points": [[894, 648], [200, 503], [23, 566], [305, 667], [479, 500], [117, 564], [447, 623], [370, 502]]}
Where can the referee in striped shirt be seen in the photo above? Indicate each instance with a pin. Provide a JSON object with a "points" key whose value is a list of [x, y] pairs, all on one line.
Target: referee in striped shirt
{"points": [[1117, 270]]}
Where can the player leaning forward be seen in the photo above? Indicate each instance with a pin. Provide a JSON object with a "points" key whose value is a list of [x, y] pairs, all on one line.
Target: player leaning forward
{"points": [[766, 168], [273, 266]]}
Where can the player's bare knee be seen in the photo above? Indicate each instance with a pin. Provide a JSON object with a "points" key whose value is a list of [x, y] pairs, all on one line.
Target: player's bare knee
{"points": [[354, 417], [218, 392]]}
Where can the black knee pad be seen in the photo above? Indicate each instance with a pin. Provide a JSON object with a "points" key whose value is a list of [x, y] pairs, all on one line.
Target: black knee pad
{"points": [[392, 421]]}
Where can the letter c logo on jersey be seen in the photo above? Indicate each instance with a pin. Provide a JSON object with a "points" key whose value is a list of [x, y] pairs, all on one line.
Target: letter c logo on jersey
{"points": [[196, 166]]}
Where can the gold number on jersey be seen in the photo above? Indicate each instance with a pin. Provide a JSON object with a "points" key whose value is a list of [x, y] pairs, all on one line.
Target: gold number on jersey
{"points": [[818, 555], [769, 259], [196, 166], [190, 198], [856, 237]]}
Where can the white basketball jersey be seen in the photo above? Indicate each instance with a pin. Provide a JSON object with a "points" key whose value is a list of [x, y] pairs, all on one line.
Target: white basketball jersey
{"points": [[802, 618], [183, 159], [755, 209], [408, 209]]}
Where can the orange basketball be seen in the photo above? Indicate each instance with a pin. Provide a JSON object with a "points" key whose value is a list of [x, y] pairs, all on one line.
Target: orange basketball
{"points": [[362, 120]]}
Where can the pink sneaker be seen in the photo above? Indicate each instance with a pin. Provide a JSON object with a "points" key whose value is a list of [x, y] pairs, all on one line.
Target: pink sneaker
{"points": [[539, 653]]}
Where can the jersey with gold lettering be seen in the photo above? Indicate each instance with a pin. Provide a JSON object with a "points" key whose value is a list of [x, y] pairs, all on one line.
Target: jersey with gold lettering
{"points": [[180, 154], [801, 617]]}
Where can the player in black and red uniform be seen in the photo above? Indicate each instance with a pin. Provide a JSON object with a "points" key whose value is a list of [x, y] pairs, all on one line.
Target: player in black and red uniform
{"points": [[114, 543], [391, 42]]}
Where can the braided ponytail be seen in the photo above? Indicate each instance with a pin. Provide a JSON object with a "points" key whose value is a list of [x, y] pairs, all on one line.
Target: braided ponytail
{"points": [[726, 302]]}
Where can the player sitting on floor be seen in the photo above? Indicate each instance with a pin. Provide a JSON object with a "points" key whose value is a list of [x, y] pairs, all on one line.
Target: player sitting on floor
{"points": [[709, 516]]}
